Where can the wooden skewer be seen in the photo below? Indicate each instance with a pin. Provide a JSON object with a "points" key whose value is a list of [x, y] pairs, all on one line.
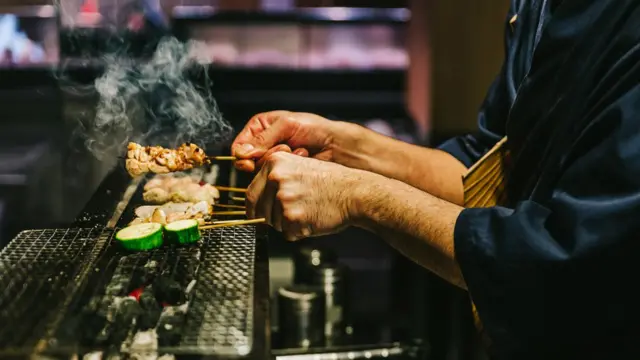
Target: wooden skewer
{"points": [[229, 213], [240, 199], [233, 223], [229, 206], [221, 222], [231, 189], [222, 158]]}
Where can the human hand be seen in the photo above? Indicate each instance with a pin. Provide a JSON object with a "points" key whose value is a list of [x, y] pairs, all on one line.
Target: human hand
{"points": [[303, 197], [266, 133]]}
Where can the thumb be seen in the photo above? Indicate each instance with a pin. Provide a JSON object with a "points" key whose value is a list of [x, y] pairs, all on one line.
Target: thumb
{"points": [[256, 147]]}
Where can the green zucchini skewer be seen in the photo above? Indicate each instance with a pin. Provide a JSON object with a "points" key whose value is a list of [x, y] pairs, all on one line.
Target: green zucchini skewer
{"points": [[182, 232], [141, 237]]}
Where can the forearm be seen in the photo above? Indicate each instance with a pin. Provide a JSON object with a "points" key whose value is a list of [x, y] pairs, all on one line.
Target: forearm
{"points": [[415, 223], [430, 170]]}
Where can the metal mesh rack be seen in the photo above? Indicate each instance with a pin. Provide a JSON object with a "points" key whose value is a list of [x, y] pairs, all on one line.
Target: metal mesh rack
{"points": [[38, 270], [51, 280]]}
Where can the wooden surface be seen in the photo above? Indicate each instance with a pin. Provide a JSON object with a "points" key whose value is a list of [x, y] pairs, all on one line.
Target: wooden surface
{"points": [[455, 62]]}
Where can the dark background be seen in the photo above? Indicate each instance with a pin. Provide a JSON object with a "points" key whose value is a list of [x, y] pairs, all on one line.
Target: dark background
{"points": [[455, 49]]}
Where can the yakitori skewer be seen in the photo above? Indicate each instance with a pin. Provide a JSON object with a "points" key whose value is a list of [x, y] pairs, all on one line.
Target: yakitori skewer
{"points": [[156, 159], [225, 213], [239, 199], [217, 225], [227, 206], [222, 158], [231, 189]]}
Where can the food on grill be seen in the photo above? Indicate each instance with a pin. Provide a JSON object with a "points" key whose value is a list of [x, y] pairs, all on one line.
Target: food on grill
{"points": [[172, 212], [166, 188], [182, 232], [156, 159], [141, 237]]}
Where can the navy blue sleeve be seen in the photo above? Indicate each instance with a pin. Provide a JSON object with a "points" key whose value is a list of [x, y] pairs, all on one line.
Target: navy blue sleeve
{"points": [[554, 275]]}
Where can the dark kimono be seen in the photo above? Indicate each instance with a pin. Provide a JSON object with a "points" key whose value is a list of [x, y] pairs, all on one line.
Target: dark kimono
{"points": [[553, 270]]}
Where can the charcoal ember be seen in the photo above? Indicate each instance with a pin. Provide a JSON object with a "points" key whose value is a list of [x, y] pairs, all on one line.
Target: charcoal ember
{"points": [[169, 330], [168, 291], [127, 313], [144, 275], [90, 327], [94, 330], [151, 310]]}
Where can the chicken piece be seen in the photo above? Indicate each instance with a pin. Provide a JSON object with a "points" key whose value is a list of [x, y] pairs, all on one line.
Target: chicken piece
{"points": [[159, 160], [159, 216], [156, 182], [171, 208], [211, 190], [139, 220], [156, 196], [185, 193], [145, 211], [203, 208]]}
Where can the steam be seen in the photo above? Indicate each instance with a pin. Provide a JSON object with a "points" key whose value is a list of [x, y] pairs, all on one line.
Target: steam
{"points": [[153, 102], [150, 101]]}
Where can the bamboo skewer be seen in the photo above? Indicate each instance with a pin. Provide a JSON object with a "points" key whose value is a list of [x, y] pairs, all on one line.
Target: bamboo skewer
{"points": [[222, 158], [231, 189], [229, 213], [218, 225], [240, 199], [228, 206]]}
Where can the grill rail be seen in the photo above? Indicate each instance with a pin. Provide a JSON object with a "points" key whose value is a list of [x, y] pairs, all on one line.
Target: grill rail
{"points": [[61, 288]]}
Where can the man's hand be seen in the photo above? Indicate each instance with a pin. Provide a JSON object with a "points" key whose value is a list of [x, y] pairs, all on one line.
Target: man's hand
{"points": [[303, 197], [270, 132], [350, 145]]}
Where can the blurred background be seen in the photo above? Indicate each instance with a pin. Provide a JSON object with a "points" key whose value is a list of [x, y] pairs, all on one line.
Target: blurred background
{"points": [[416, 70]]}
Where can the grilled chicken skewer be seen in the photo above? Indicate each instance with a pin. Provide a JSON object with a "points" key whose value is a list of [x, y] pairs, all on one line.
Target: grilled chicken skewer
{"points": [[156, 159]]}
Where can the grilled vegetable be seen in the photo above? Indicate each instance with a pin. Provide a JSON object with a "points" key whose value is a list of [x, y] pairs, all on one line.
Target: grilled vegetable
{"points": [[141, 237], [182, 231]]}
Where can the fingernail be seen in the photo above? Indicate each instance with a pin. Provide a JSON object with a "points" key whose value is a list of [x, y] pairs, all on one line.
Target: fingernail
{"points": [[245, 149]]}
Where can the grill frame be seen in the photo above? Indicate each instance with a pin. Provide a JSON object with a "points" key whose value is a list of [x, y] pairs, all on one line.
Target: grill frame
{"points": [[99, 215]]}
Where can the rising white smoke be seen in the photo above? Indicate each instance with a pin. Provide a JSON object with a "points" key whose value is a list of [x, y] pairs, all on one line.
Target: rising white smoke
{"points": [[150, 101], [154, 102]]}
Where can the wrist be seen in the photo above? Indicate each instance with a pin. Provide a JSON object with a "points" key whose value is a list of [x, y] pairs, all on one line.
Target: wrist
{"points": [[352, 145], [364, 193]]}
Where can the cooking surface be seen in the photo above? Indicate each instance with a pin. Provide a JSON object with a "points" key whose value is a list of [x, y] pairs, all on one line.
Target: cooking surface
{"points": [[68, 291]]}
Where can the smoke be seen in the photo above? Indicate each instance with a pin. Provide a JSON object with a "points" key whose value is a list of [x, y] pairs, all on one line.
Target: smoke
{"points": [[152, 101]]}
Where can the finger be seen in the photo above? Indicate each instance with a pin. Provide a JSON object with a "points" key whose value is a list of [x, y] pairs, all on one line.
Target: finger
{"points": [[290, 230], [250, 165], [301, 152], [265, 203], [254, 192], [276, 214], [280, 131], [254, 126], [275, 149], [245, 165]]}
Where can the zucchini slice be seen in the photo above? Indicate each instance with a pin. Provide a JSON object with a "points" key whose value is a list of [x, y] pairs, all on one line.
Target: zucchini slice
{"points": [[140, 237], [183, 231]]}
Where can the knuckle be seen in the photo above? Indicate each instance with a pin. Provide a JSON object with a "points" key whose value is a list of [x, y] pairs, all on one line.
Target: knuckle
{"points": [[293, 215], [284, 196], [291, 237], [274, 176], [251, 198]]}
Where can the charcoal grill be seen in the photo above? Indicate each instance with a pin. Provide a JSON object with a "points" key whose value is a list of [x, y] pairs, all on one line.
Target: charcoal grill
{"points": [[61, 289]]}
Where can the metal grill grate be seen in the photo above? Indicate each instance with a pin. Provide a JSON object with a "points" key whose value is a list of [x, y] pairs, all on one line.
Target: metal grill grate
{"points": [[38, 270], [58, 285]]}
